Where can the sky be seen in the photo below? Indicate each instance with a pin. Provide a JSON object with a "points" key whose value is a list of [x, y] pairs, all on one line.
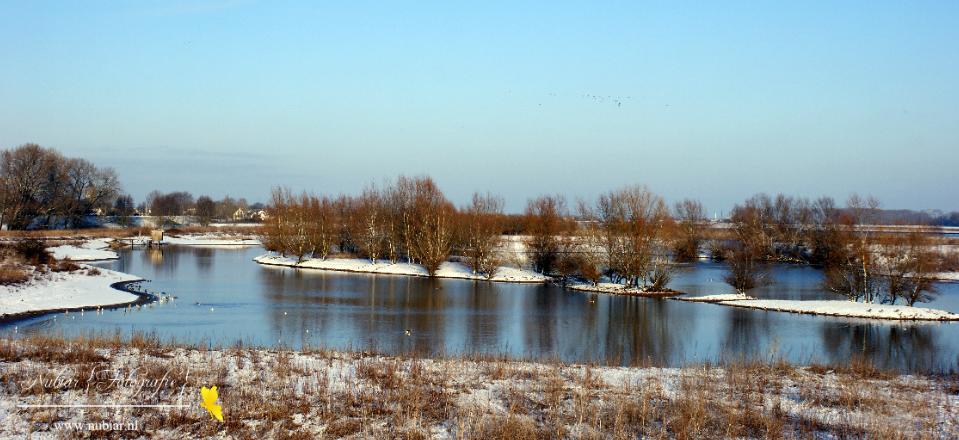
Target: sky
{"points": [[711, 101]]}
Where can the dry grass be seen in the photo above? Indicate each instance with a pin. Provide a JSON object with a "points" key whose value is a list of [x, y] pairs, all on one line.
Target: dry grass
{"points": [[13, 274], [326, 394], [74, 234], [84, 234]]}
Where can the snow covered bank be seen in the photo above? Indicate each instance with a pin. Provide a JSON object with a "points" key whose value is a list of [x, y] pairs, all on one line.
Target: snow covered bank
{"points": [[54, 291], [618, 289], [324, 394], [946, 276], [210, 240], [846, 309], [446, 270], [715, 298], [91, 250]]}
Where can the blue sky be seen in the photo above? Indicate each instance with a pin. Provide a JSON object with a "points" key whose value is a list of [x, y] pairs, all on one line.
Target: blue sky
{"points": [[715, 102]]}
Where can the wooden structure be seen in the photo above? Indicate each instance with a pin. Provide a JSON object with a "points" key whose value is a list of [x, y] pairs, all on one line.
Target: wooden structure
{"points": [[156, 237]]}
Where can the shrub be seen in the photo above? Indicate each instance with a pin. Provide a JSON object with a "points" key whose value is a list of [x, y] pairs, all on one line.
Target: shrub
{"points": [[13, 275], [65, 265], [33, 251], [93, 272]]}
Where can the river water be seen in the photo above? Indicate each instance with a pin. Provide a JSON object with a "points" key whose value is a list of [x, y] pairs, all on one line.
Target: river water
{"points": [[224, 297]]}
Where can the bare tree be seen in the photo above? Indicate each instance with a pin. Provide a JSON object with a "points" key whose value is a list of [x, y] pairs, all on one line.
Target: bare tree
{"points": [[205, 210], [123, 210], [908, 266], [691, 217], [323, 225], [631, 221], [433, 225], [745, 257], [481, 233], [27, 174], [370, 219], [857, 273], [746, 270], [546, 223]]}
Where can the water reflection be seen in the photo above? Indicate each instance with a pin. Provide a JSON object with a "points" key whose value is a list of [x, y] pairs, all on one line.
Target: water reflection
{"points": [[223, 297], [910, 345]]}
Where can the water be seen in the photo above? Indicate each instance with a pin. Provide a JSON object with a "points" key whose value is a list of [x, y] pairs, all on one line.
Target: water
{"points": [[224, 297]]}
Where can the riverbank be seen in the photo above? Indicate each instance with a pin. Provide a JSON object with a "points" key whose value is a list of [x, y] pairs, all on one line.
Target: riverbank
{"points": [[89, 250], [87, 288], [840, 308], [319, 393], [620, 289], [847, 309], [211, 239], [447, 270]]}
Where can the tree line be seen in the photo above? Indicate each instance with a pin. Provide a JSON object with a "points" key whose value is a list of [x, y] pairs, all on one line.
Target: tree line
{"points": [[859, 261], [626, 235], [41, 187], [406, 220]]}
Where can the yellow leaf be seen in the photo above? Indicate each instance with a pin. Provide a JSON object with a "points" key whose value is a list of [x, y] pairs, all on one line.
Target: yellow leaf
{"points": [[209, 396]]}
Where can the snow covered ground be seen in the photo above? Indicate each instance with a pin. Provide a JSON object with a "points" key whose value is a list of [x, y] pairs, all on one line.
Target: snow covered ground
{"points": [[210, 240], [324, 394], [715, 298], [616, 289], [946, 276], [91, 250], [65, 290], [447, 270], [847, 309]]}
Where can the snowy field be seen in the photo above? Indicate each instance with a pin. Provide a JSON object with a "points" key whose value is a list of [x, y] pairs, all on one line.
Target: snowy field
{"points": [[91, 250], [65, 290], [446, 270], [325, 394]]}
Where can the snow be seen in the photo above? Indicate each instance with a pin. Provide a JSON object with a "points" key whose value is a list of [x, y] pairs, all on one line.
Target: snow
{"points": [[715, 298], [90, 250], [615, 288], [847, 309], [210, 240], [65, 290], [946, 276], [446, 270]]}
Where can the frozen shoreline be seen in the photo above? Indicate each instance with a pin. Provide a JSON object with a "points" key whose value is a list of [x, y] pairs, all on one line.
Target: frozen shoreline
{"points": [[848, 309], [211, 239], [619, 289], [715, 298], [67, 291], [446, 270]]}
